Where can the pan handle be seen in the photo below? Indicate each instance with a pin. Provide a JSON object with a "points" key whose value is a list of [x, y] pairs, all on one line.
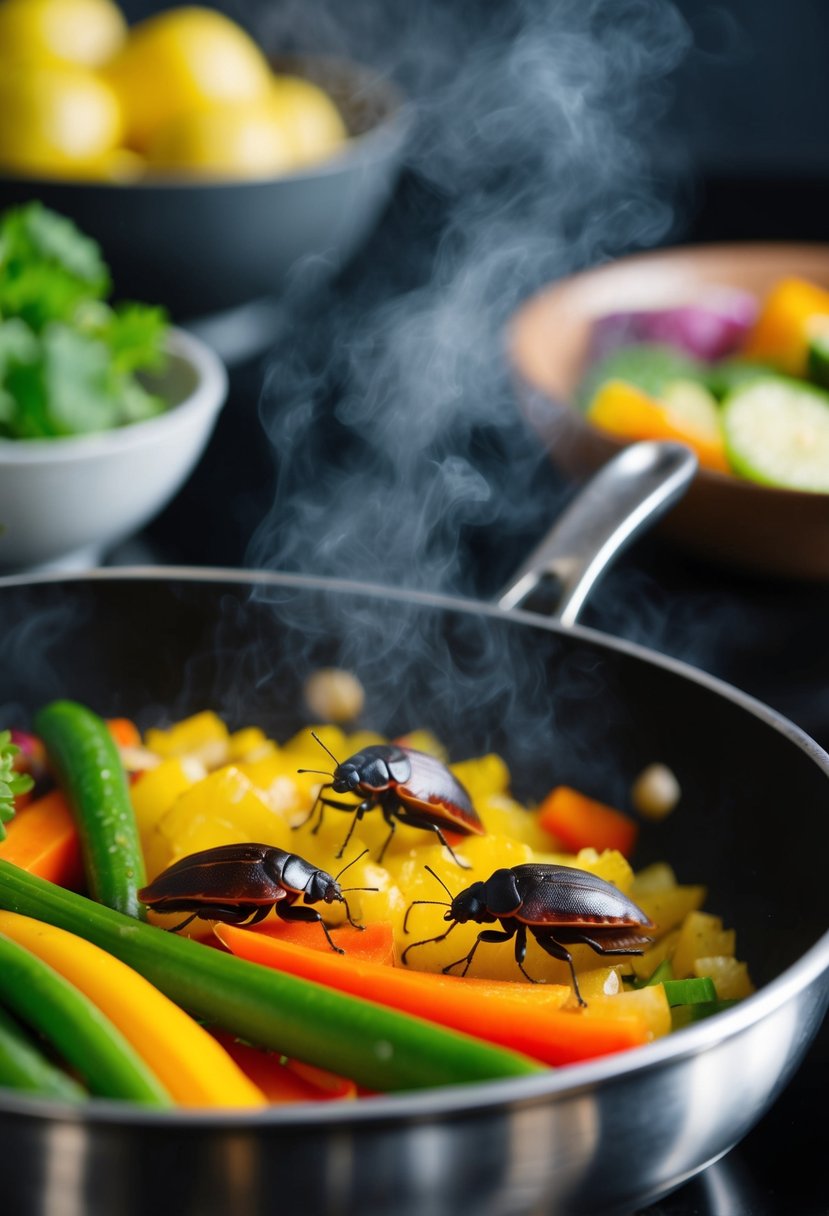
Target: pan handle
{"points": [[626, 496]]}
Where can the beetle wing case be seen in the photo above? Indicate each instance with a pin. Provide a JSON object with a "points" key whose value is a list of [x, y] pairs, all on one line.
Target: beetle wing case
{"points": [[434, 788], [564, 895]]}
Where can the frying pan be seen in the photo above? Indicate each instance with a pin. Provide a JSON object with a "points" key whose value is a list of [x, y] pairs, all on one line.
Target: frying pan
{"points": [[562, 703]]}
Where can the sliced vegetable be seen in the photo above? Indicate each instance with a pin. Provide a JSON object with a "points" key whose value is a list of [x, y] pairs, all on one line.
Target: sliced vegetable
{"points": [[691, 991], [792, 312], [648, 367], [282, 1080], [580, 822], [706, 329], [372, 944], [630, 414], [378, 1048], [124, 732], [777, 433], [44, 840], [188, 1062], [24, 1066], [12, 783], [525, 1017], [817, 363], [81, 1034], [81, 748]]}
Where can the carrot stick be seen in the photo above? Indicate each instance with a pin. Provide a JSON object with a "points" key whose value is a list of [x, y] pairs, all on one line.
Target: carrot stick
{"points": [[525, 1017], [579, 822], [124, 732], [373, 944], [43, 839]]}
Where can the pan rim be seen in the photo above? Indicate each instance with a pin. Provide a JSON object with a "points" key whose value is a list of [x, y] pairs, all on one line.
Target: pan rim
{"points": [[448, 1102]]}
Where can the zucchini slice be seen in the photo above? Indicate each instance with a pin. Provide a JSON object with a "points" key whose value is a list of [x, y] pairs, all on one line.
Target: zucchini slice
{"points": [[777, 433]]}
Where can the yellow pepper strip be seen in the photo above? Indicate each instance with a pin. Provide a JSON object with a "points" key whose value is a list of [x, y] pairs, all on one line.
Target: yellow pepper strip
{"points": [[187, 1060]]}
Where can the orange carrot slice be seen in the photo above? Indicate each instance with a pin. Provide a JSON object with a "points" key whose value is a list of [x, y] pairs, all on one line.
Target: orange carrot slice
{"points": [[528, 1018], [579, 822], [43, 839]]}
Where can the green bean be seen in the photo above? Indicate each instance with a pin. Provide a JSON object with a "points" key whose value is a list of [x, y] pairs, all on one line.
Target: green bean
{"points": [[379, 1048], [88, 766], [80, 1033], [23, 1066]]}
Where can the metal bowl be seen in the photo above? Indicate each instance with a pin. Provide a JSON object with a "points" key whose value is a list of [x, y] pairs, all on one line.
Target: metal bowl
{"points": [[561, 704], [730, 520], [201, 247]]}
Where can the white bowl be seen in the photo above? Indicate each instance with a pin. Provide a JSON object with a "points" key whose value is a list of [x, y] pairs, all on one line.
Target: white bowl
{"points": [[65, 502]]}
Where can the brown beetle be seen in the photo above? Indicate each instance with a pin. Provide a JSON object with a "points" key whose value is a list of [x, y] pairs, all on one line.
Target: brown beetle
{"points": [[559, 905], [408, 786], [240, 883]]}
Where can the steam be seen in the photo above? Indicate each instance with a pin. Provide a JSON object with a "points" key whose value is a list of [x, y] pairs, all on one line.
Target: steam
{"points": [[534, 136]]}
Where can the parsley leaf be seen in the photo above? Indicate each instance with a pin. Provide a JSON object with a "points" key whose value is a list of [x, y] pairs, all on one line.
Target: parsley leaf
{"points": [[11, 782], [68, 359]]}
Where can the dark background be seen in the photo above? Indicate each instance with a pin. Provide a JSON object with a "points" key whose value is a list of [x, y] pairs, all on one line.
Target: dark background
{"points": [[742, 143]]}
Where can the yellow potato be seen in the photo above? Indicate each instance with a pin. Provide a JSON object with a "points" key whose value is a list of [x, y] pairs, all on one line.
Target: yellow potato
{"points": [[238, 140], [309, 119], [83, 32], [55, 119], [183, 59]]}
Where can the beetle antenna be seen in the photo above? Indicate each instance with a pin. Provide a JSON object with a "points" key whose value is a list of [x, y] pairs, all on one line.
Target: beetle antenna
{"points": [[318, 771], [440, 937], [440, 880], [347, 865], [314, 735], [441, 903]]}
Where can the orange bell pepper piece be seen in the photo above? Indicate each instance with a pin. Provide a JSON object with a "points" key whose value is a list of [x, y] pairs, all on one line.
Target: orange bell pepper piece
{"points": [[43, 839], [791, 311], [124, 732], [630, 414], [528, 1018], [579, 822]]}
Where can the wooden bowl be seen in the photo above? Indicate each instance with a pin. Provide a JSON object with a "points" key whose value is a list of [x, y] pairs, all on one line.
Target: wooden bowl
{"points": [[744, 525]]}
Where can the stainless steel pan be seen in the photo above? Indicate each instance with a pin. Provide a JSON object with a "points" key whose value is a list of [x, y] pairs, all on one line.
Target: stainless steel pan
{"points": [[561, 703]]}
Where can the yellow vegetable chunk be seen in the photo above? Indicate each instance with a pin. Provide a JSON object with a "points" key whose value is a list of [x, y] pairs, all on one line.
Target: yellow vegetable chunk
{"points": [[701, 936], [792, 311], [650, 1003], [203, 735], [644, 965], [669, 907], [224, 808], [156, 790], [83, 32], [731, 978]]}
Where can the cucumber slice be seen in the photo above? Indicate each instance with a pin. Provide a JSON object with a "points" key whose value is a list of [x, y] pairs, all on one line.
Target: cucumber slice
{"points": [[646, 366], [728, 375], [777, 433]]}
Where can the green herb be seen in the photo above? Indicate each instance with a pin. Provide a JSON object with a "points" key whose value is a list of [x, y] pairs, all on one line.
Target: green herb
{"points": [[11, 782], [68, 359]]}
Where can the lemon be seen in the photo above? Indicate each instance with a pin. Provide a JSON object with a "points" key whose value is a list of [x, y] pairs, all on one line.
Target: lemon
{"points": [[309, 118], [86, 32], [240, 140], [181, 60], [55, 119]]}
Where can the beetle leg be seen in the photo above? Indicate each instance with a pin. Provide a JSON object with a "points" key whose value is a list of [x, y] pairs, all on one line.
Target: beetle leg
{"points": [[183, 925], [547, 942], [428, 940], [521, 950], [486, 935], [291, 912], [413, 820], [358, 814]]}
